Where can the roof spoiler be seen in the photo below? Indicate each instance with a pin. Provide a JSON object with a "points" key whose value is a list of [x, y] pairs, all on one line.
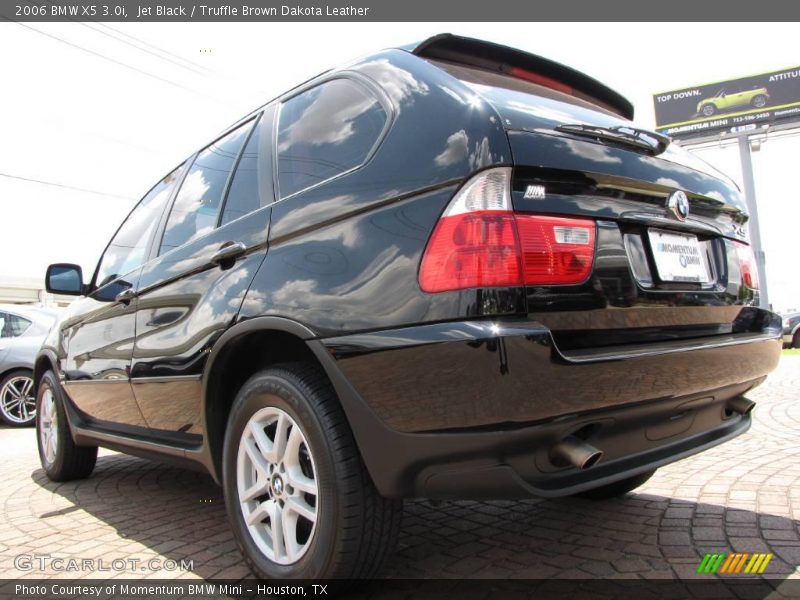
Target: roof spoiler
{"points": [[495, 57]]}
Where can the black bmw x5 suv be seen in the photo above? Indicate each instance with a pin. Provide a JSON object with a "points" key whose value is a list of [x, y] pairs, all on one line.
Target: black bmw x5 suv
{"points": [[451, 270]]}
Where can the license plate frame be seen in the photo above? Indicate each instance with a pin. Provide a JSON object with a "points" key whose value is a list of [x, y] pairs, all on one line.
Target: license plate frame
{"points": [[678, 257]]}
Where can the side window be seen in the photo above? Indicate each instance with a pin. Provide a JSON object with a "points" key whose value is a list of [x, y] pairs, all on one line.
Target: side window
{"points": [[196, 207], [324, 132], [12, 325], [243, 195], [127, 249]]}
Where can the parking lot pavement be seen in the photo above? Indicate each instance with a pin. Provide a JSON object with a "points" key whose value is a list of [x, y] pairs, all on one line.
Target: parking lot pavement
{"points": [[743, 496]]}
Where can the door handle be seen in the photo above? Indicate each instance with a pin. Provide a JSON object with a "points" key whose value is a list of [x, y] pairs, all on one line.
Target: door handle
{"points": [[227, 254], [125, 296]]}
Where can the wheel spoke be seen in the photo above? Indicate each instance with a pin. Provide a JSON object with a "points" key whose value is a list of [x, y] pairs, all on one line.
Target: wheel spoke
{"points": [[259, 488], [291, 457], [281, 432], [300, 482], [259, 513], [289, 533], [48, 406], [26, 389], [259, 462], [52, 445], [12, 389], [12, 404], [297, 506], [265, 445], [276, 529]]}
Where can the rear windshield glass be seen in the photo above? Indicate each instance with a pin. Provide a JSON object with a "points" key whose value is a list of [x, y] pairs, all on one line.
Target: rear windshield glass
{"points": [[472, 77]]}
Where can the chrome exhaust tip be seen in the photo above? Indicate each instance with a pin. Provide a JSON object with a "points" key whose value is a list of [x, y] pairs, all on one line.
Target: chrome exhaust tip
{"points": [[741, 405], [574, 451]]}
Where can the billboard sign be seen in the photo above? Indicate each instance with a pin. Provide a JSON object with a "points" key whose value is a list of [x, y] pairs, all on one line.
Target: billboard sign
{"points": [[729, 106]]}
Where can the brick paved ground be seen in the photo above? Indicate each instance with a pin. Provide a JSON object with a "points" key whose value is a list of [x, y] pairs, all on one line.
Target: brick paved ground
{"points": [[742, 496]]}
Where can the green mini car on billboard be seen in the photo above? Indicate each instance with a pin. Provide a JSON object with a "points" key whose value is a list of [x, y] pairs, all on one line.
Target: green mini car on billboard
{"points": [[722, 100]]}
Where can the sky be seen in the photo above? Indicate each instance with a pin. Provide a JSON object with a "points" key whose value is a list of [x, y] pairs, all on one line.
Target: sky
{"points": [[92, 115]]}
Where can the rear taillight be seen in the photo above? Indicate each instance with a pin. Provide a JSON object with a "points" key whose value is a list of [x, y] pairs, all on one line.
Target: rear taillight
{"points": [[480, 242], [747, 264], [556, 250]]}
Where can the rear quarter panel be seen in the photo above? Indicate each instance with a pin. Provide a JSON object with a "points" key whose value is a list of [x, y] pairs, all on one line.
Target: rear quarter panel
{"points": [[344, 256]]}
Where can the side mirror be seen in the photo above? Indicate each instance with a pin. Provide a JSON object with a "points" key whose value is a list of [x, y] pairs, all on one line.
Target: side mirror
{"points": [[64, 278]]}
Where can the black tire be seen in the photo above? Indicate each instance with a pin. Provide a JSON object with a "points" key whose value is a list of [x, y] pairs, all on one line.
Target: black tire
{"points": [[709, 110], [9, 415], [618, 488], [69, 461], [759, 101], [796, 339], [356, 528]]}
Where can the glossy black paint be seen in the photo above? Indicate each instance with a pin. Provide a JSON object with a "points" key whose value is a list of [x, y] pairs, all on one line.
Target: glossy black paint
{"points": [[465, 375], [344, 256], [186, 299], [185, 302], [446, 382], [602, 181], [97, 341]]}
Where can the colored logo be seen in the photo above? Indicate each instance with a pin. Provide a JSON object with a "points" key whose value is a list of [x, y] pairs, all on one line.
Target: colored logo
{"points": [[734, 564], [678, 205]]}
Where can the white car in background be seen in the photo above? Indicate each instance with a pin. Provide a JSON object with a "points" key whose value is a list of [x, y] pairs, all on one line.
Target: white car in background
{"points": [[22, 331]]}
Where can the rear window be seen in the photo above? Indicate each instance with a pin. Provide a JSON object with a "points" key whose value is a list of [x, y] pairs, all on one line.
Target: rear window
{"points": [[474, 77], [326, 131], [12, 325]]}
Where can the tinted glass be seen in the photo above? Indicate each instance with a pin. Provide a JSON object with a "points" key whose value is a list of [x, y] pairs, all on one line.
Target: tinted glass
{"points": [[324, 132], [196, 207], [243, 195], [127, 249], [12, 325]]}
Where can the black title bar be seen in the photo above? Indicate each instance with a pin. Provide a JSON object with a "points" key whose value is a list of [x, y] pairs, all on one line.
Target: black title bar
{"points": [[418, 10]]}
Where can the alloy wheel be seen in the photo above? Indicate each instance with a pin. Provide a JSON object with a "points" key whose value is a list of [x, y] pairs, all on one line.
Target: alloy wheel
{"points": [[277, 485], [17, 401], [48, 426]]}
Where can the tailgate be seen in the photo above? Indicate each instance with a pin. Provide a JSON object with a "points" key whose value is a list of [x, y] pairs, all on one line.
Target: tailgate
{"points": [[640, 243], [583, 177], [658, 273]]}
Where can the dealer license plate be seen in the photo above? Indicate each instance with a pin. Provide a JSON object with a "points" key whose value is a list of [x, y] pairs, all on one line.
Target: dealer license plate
{"points": [[678, 256]]}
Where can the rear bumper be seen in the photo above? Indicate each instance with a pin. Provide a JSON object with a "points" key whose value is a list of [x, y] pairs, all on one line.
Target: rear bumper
{"points": [[473, 409]]}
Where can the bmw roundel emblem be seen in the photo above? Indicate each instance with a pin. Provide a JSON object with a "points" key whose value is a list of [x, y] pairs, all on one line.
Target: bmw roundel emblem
{"points": [[678, 205]]}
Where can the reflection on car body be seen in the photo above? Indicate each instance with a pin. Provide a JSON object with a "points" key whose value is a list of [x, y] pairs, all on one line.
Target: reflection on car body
{"points": [[348, 298]]}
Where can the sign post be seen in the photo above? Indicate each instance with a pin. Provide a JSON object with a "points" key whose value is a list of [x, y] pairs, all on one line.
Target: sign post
{"points": [[752, 206], [737, 108]]}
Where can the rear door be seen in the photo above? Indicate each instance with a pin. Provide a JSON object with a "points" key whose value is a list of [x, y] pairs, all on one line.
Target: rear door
{"points": [[189, 293]]}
